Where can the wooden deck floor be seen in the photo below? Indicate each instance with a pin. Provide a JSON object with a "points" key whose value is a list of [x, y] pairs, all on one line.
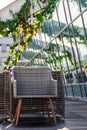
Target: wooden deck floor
{"points": [[75, 119]]}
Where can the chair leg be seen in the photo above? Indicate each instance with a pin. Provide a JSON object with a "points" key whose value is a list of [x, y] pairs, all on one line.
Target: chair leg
{"points": [[47, 108], [17, 114], [52, 109]]}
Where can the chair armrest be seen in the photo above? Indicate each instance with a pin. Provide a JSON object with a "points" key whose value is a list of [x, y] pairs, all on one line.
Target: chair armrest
{"points": [[53, 87], [14, 88]]}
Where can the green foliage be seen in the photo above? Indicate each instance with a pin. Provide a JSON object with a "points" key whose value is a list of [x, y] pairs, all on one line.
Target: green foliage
{"points": [[21, 31]]}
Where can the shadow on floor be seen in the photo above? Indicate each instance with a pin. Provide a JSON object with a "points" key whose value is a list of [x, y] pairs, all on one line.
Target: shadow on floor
{"points": [[34, 124]]}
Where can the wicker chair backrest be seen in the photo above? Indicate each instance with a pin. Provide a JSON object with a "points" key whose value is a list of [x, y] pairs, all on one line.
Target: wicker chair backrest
{"points": [[29, 74], [32, 81]]}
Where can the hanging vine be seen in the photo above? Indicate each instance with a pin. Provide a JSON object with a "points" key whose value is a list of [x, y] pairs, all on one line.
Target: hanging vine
{"points": [[21, 31]]}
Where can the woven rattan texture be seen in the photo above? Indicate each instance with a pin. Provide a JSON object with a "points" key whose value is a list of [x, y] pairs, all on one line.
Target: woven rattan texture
{"points": [[31, 105], [5, 94], [35, 81], [60, 101]]}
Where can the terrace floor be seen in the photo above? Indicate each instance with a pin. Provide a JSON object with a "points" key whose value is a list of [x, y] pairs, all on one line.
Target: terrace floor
{"points": [[75, 119]]}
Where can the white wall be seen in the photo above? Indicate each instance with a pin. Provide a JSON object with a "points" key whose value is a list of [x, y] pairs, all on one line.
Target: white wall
{"points": [[15, 7]]}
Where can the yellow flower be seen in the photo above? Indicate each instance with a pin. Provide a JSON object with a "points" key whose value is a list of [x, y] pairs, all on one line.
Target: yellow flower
{"points": [[28, 35], [21, 30], [22, 48]]}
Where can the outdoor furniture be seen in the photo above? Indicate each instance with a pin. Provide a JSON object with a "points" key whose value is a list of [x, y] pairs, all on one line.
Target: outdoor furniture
{"points": [[5, 95], [34, 83], [60, 100]]}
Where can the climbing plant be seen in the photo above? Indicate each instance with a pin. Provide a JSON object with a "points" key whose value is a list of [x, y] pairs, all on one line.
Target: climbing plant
{"points": [[21, 31]]}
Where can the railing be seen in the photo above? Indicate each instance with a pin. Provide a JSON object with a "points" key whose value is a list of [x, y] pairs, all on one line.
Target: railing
{"points": [[60, 47], [76, 91]]}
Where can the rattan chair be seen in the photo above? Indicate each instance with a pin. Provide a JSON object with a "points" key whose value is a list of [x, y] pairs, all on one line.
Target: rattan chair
{"points": [[34, 82], [5, 95]]}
